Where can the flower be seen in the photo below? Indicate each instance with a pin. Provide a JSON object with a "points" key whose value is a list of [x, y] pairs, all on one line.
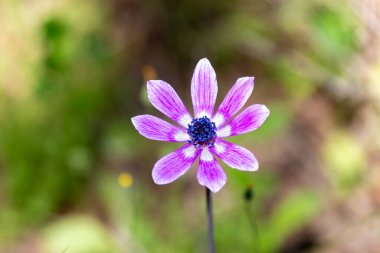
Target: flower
{"points": [[202, 134]]}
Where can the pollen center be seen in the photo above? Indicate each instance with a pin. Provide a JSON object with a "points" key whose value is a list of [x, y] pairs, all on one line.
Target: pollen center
{"points": [[202, 132]]}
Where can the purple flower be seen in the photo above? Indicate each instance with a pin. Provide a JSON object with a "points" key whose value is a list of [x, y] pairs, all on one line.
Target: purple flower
{"points": [[203, 133]]}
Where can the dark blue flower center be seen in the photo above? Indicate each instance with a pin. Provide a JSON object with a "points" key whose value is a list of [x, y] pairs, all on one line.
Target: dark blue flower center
{"points": [[202, 132]]}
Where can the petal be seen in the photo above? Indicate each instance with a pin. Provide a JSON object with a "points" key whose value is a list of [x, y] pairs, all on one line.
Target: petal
{"points": [[175, 164], [157, 129], [235, 100], [166, 100], [204, 89], [250, 119], [210, 174], [235, 156]]}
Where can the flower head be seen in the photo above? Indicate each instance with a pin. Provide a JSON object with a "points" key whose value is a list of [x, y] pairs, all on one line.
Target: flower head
{"points": [[203, 133]]}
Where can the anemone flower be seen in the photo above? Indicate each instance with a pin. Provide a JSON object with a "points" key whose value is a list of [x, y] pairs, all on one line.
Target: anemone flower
{"points": [[202, 134]]}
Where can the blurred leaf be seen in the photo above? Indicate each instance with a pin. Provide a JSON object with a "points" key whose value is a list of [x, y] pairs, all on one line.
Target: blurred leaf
{"points": [[77, 234], [294, 79], [345, 160], [335, 29], [289, 216], [335, 33]]}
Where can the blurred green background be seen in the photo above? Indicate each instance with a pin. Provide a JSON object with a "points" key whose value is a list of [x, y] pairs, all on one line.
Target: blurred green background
{"points": [[75, 176]]}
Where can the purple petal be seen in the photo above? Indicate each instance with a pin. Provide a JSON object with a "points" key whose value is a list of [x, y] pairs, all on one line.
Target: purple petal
{"points": [[235, 156], [157, 129], [250, 119], [235, 100], [204, 89], [166, 100], [175, 164], [210, 174]]}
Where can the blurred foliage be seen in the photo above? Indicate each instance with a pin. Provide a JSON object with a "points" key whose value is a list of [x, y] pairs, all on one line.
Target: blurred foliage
{"points": [[50, 140], [290, 216], [75, 174], [345, 161], [79, 235]]}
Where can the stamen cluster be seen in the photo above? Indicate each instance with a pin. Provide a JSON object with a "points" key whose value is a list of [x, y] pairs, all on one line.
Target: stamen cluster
{"points": [[202, 132]]}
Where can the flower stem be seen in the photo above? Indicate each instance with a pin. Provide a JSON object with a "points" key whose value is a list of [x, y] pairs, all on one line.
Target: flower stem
{"points": [[254, 227], [211, 241], [249, 197]]}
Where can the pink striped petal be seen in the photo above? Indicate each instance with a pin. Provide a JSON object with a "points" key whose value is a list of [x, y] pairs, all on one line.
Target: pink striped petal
{"points": [[166, 100], [157, 129], [204, 89], [250, 119], [235, 100], [210, 174], [175, 164], [235, 156]]}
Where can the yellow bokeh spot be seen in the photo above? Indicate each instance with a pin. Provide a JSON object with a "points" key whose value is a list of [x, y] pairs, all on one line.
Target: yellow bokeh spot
{"points": [[125, 180]]}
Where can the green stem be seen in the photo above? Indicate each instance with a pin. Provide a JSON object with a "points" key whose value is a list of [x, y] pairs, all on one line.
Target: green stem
{"points": [[211, 241]]}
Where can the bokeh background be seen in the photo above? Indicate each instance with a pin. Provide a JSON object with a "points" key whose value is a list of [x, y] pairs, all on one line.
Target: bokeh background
{"points": [[75, 176]]}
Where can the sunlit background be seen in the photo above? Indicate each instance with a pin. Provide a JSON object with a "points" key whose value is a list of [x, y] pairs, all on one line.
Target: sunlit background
{"points": [[75, 177]]}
